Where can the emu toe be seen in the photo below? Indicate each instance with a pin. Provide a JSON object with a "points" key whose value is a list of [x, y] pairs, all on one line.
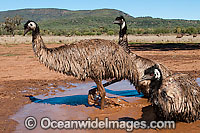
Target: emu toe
{"points": [[95, 99]]}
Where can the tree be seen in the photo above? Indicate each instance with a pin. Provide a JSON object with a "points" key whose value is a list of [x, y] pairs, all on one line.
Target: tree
{"points": [[11, 24], [178, 30], [191, 30]]}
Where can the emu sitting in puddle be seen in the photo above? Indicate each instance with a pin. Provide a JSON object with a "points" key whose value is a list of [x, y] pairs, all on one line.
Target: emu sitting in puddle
{"points": [[176, 97]]}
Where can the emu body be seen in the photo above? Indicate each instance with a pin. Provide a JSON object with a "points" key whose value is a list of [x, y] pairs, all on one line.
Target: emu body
{"points": [[176, 97], [97, 59], [141, 63]]}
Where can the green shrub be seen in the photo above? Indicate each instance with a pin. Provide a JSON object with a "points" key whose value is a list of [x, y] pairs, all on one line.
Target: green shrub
{"points": [[110, 32]]}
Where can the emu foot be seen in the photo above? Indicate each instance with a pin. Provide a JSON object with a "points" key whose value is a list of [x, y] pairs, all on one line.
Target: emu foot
{"points": [[95, 99]]}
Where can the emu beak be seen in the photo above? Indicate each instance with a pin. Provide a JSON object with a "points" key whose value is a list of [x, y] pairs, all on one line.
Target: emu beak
{"points": [[116, 22], [26, 31], [145, 77]]}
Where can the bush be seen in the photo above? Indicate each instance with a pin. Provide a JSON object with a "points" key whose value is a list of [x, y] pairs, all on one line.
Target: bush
{"points": [[89, 33], [191, 30], [110, 32], [99, 33], [78, 33]]}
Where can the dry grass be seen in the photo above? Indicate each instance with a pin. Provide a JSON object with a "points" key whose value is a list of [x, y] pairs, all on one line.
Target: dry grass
{"points": [[131, 38]]}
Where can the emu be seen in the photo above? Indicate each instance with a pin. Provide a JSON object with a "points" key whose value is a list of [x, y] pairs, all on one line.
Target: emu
{"points": [[97, 59], [176, 97], [123, 39], [140, 62]]}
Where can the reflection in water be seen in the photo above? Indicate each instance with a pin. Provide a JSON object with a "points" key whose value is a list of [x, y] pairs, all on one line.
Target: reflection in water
{"points": [[198, 81], [68, 100], [78, 95], [70, 97], [69, 105]]}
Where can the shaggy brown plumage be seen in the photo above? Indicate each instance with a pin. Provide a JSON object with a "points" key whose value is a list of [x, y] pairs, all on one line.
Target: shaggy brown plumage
{"points": [[96, 59], [140, 62], [176, 97], [141, 65]]}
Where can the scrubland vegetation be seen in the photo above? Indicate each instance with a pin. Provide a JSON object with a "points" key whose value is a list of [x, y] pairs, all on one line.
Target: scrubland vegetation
{"points": [[60, 22]]}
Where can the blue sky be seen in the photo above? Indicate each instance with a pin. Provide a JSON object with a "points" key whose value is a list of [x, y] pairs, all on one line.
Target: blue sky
{"points": [[173, 9]]}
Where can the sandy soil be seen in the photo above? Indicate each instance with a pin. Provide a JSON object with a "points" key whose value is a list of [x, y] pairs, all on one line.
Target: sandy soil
{"points": [[132, 38], [20, 70]]}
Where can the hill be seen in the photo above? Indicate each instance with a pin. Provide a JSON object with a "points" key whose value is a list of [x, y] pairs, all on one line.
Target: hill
{"points": [[100, 20], [59, 18]]}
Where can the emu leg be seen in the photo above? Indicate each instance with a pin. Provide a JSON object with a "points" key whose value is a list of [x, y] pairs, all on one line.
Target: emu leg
{"points": [[102, 92], [93, 94], [98, 93]]}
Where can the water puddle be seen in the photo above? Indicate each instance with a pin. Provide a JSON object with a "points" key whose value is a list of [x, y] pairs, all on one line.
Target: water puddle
{"points": [[198, 81], [66, 103]]}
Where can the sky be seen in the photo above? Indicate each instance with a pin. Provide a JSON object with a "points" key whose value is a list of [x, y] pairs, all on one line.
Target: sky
{"points": [[168, 9]]}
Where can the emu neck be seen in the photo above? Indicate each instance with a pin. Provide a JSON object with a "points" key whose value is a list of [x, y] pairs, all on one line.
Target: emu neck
{"points": [[123, 40], [154, 87], [37, 42], [36, 32], [156, 84], [122, 31]]}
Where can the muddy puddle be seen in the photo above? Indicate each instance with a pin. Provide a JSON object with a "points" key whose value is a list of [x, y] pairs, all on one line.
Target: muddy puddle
{"points": [[63, 103]]}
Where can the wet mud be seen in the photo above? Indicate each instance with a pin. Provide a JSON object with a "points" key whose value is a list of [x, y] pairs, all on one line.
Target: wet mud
{"points": [[29, 88]]}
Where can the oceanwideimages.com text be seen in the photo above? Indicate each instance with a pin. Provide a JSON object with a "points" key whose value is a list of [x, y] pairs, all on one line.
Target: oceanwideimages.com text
{"points": [[47, 123]]}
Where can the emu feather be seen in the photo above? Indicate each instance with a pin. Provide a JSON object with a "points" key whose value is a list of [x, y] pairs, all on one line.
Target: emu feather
{"points": [[176, 97], [97, 59], [140, 62]]}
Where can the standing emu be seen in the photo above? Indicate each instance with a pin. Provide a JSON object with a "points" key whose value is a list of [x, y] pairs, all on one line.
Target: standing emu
{"points": [[140, 62], [97, 59], [176, 97], [123, 39]]}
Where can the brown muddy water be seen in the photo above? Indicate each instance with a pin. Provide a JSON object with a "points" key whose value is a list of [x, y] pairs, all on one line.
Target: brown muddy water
{"points": [[69, 103], [63, 103]]}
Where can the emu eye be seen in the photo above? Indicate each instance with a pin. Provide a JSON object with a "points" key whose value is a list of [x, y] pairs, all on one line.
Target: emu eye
{"points": [[151, 74]]}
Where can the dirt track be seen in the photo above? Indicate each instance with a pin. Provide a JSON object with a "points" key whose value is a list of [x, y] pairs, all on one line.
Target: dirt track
{"points": [[20, 70]]}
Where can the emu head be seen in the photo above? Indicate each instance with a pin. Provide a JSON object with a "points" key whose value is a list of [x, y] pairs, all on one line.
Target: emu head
{"points": [[120, 21], [30, 26], [152, 73]]}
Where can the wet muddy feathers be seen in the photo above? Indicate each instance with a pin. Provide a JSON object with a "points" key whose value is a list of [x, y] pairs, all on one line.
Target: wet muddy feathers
{"points": [[176, 97], [140, 62], [97, 59]]}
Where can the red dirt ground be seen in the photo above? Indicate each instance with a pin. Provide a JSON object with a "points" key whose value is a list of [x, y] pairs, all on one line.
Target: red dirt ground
{"points": [[20, 69]]}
